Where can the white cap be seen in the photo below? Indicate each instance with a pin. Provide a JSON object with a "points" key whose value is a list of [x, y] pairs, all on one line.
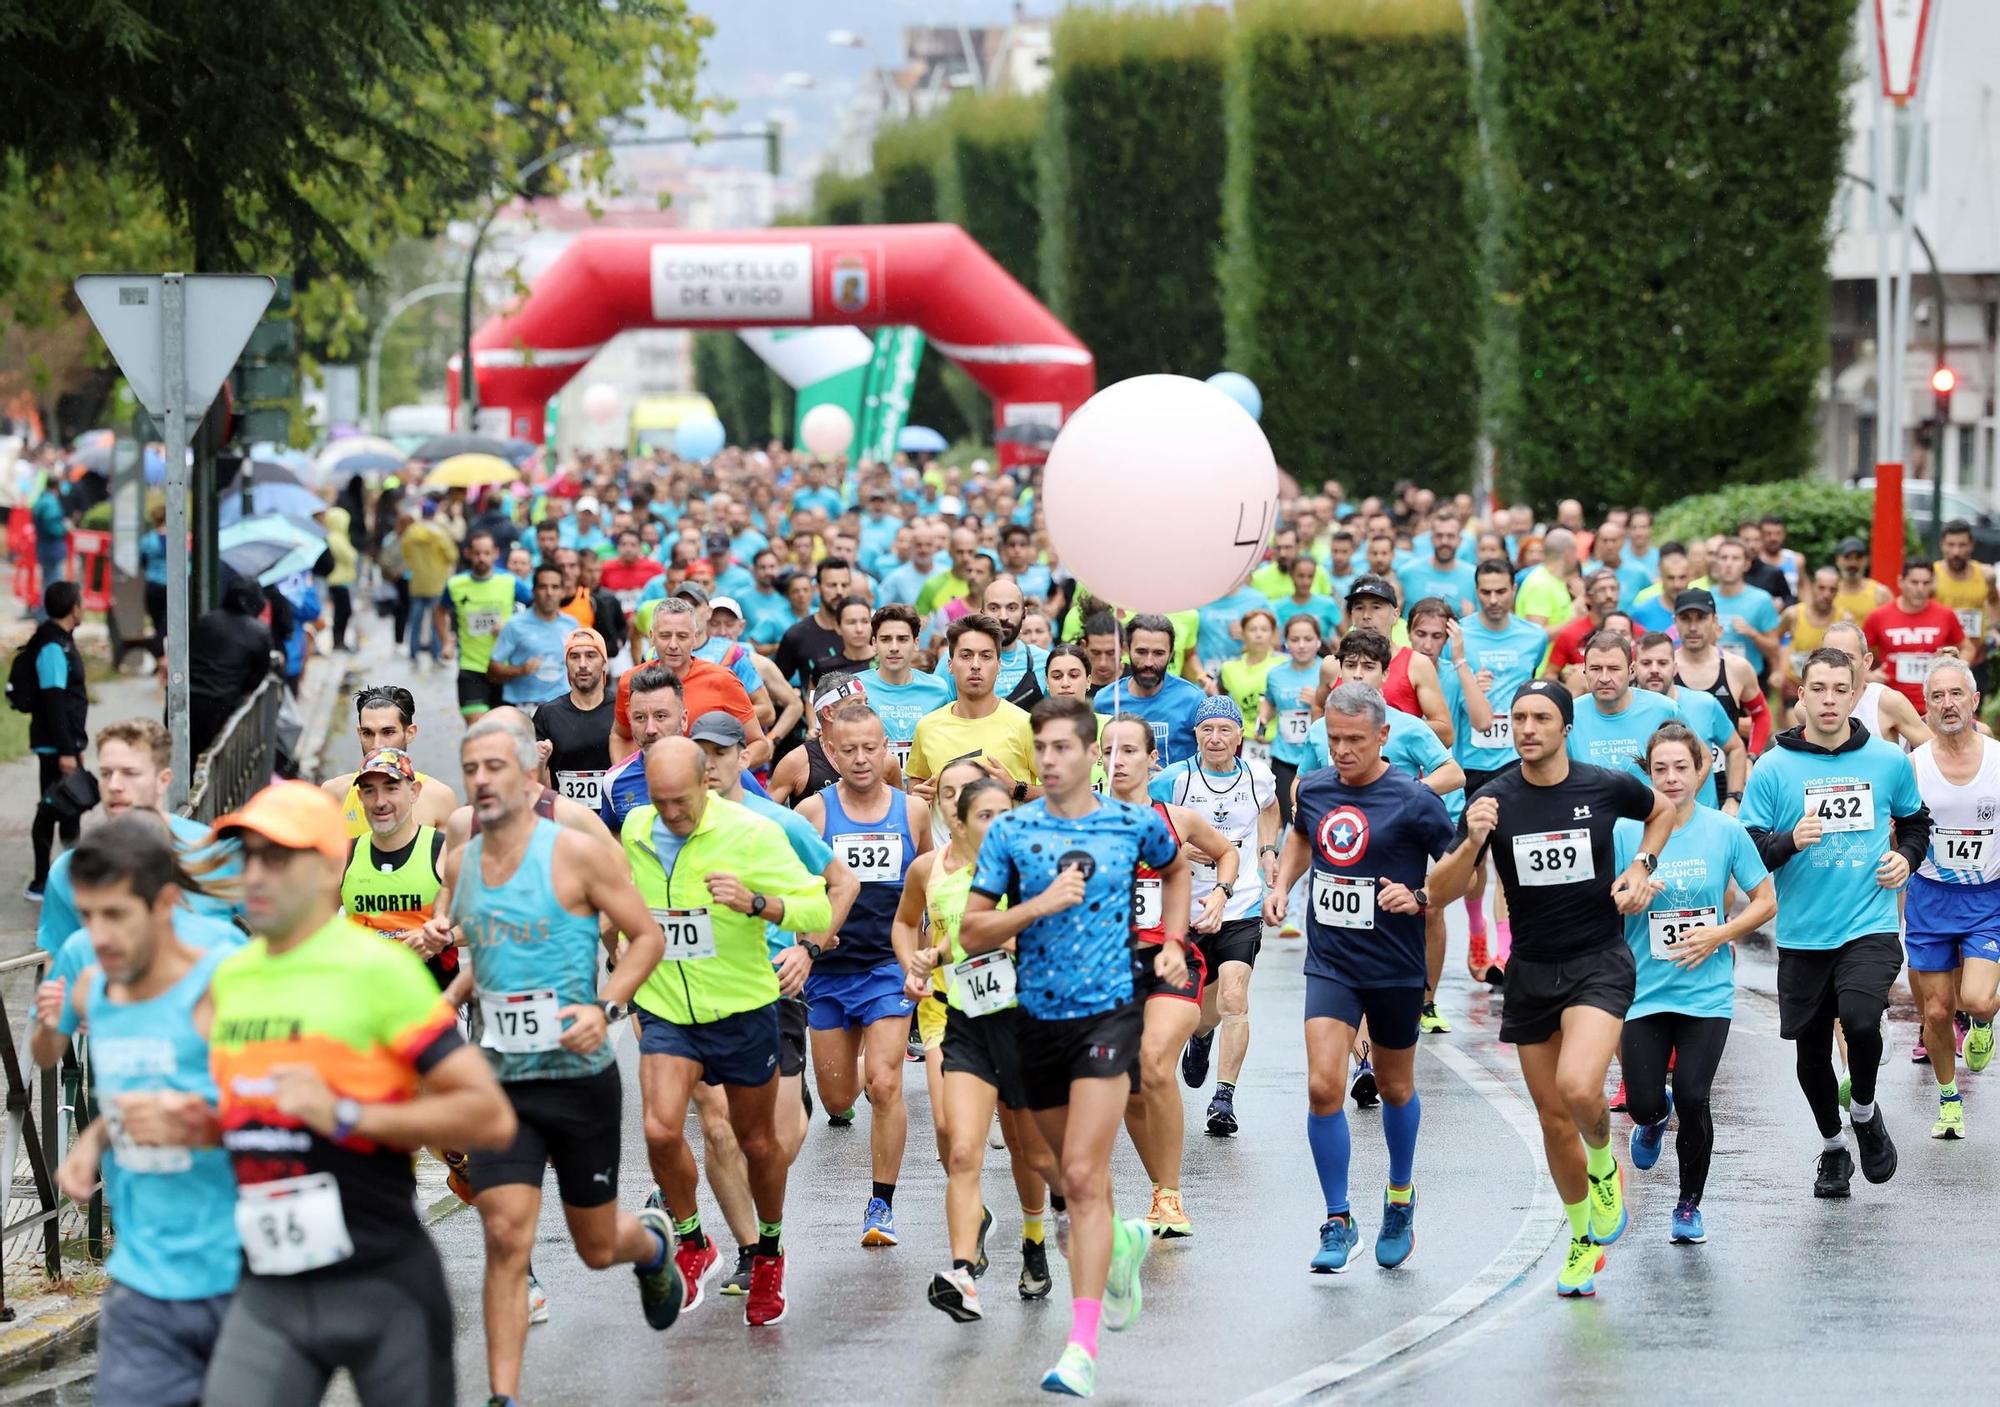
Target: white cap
{"points": [[951, 506], [727, 603], [588, 504], [980, 466]]}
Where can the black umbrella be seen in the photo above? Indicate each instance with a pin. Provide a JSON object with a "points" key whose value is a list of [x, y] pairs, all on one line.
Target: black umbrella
{"points": [[519, 452], [264, 471], [1040, 436], [445, 446]]}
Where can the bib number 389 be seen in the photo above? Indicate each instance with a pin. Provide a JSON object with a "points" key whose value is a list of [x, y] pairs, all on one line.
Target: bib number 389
{"points": [[1554, 857]]}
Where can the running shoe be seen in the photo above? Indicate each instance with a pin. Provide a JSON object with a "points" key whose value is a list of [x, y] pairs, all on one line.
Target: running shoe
{"points": [[1194, 1060], [1647, 1139], [955, 1292], [1122, 1299], [878, 1225], [696, 1264], [1430, 1023], [1578, 1277], [1836, 1171], [1363, 1091], [501, 1400], [538, 1301], [766, 1304], [1918, 1052], [1951, 1119], [657, 1200], [32, 892], [455, 1178], [1222, 1113], [737, 1282], [1960, 1023], [661, 1290], [1398, 1234], [1688, 1230], [1167, 1219], [985, 1225], [1290, 929], [1062, 1232], [1478, 957], [840, 1121], [1607, 1206], [1075, 1373], [1847, 1091], [1979, 1046], [1337, 1240], [1035, 1282], [1618, 1099], [1877, 1149]]}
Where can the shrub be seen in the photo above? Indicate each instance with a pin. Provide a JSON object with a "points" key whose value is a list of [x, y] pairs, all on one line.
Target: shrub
{"points": [[906, 192], [1817, 514]]}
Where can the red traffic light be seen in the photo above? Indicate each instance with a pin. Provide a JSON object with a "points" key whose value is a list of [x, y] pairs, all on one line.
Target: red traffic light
{"points": [[1944, 381]]}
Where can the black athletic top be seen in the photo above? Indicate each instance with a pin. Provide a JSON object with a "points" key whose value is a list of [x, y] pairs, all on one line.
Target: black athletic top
{"points": [[1552, 851], [581, 740]]}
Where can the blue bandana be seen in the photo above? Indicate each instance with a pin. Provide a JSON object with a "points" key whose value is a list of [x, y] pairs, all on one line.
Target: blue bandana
{"points": [[1218, 706]]}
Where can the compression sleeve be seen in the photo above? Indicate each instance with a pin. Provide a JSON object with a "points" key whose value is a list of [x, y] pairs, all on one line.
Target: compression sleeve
{"points": [[1760, 723]]}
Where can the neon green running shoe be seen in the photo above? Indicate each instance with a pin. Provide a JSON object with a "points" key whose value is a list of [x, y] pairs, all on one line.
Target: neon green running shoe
{"points": [[1122, 1300], [1075, 1373], [1578, 1277], [1846, 1091], [1607, 1206], [1979, 1046], [1951, 1119]]}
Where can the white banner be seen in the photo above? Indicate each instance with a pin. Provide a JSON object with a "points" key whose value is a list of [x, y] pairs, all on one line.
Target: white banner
{"points": [[727, 282], [805, 355]]}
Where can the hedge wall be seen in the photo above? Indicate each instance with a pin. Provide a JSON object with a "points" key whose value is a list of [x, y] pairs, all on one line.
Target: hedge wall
{"points": [[753, 404], [1350, 286], [907, 156], [1131, 188], [987, 181], [1817, 514], [1665, 175], [842, 200]]}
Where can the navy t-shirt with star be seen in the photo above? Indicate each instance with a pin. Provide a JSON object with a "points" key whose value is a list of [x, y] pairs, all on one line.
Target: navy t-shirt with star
{"points": [[1389, 830]]}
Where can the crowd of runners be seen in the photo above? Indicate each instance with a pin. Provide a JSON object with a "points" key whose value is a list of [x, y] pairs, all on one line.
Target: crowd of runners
{"points": [[818, 772]]}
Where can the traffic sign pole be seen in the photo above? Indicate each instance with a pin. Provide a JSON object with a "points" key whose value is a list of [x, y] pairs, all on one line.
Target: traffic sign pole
{"points": [[173, 362]]}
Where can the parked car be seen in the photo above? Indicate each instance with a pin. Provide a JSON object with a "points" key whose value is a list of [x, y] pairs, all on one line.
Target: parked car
{"points": [[1917, 495]]}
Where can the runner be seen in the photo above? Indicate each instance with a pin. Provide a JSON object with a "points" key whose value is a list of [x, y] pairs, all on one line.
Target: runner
{"points": [[704, 684], [1154, 1116], [577, 726], [977, 721], [1965, 588], [1804, 622], [898, 693], [1614, 720], [1906, 634], [1700, 666], [1152, 691], [527, 660], [1286, 714], [1728, 760], [393, 874], [1411, 684], [725, 646], [1549, 826], [1859, 593], [526, 895], [1019, 680], [1066, 865], [1952, 915], [717, 874], [1433, 627], [385, 715], [1747, 614], [1883, 711], [1685, 990], [811, 643], [655, 709], [1241, 799], [333, 1055], [476, 604], [858, 1010], [807, 770], [1820, 806], [1365, 833]]}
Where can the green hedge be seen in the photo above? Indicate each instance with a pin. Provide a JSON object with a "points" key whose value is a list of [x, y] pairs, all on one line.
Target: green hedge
{"points": [[842, 200], [752, 402], [1664, 175], [1131, 188], [987, 178], [907, 157], [1817, 515], [1350, 284]]}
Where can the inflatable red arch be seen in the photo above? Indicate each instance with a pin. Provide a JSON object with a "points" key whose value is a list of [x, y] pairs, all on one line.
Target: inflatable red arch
{"points": [[934, 277]]}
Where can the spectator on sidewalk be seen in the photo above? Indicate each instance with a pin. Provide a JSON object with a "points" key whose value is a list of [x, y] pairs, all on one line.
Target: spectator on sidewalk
{"points": [[431, 555], [153, 562], [302, 595], [340, 581], [395, 577], [51, 520], [58, 726], [229, 653]]}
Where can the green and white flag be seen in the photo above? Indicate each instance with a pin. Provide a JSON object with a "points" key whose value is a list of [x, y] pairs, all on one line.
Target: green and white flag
{"points": [[885, 405]]}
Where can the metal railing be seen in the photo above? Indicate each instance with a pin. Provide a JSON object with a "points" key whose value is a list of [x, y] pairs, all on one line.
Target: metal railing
{"points": [[239, 763]]}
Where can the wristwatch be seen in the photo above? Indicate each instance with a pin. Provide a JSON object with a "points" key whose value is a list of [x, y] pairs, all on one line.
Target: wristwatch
{"points": [[813, 950], [1732, 796], [613, 1012], [1651, 862], [758, 903], [1423, 898], [346, 1116], [1228, 890], [1020, 792], [1267, 850]]}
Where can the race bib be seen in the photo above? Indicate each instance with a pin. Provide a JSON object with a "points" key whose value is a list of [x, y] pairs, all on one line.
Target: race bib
{"points": [[1735, 650], [1842, 806], [1148, 909], [1293, 725], [1798, 658], [874, 856], [1666, 927], [1973, 622], [584, 788], [143, 1157], [901, 752], [482, 622], [690, 933], [1256, 751], [628, 601], [1340, 901], [1913, 669], [985, 983], [1961, 849], [292, 1225], [520, 1023], [1497, 738], [1553, 857]]}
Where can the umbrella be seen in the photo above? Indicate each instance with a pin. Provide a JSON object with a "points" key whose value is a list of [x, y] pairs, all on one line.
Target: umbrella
{"points": [[445, 446], [466, 471], [368, 463], [265, 471], [519, 452], [271, 547], [921, 439], [1040, 436], [354, 445], [92, 451], [271, 498]]}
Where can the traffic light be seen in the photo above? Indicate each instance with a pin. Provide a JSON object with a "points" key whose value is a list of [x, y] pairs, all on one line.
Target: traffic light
{"points": [[1943, 382], [265, 382]]}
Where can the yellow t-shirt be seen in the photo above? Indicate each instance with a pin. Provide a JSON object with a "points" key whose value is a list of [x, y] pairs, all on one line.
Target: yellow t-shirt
{"points": [[1964, 597], [351, 812], [942, 737], [1855, 605]]}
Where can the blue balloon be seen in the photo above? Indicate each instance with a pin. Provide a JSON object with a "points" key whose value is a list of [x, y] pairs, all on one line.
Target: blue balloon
{"points": [[699, 437], [1242, 390]]}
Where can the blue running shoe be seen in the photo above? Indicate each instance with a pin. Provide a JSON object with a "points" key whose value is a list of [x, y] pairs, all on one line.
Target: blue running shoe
{"points": [[1194, 1060], [1647, 1139], [878, 1226], [1337, 1240], [1398, 1236], [1688, 1230], [1075, 1373]]}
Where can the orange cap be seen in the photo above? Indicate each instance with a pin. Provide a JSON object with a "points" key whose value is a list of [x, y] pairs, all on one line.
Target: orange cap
{"points": [[296, 815]]}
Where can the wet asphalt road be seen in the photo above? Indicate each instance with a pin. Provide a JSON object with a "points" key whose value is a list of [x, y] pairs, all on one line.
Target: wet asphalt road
{"points": [[1791, 1300]]}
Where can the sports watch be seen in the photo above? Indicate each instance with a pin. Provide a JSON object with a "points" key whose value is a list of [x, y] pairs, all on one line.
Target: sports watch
{"points": [[346, 1117]]}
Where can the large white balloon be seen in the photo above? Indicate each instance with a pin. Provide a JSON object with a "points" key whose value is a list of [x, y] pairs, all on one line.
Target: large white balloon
{"points": [[600, 403], [1161, 494], [827, 430]]}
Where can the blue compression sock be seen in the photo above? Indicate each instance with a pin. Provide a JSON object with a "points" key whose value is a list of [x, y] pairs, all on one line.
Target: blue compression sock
{"points": [[1399, 1127], [1331, 1148]]}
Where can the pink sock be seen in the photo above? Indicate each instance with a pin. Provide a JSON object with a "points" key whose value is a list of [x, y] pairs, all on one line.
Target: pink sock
{"points": [[1475, 913], [1083, 1317], [1503, 938]]}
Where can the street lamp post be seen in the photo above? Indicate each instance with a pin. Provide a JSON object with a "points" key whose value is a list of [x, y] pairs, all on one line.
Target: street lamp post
{"points": [[381, 335]]}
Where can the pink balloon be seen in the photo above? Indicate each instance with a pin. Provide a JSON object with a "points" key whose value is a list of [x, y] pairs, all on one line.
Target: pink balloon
{"points": [[600, 403], [1161, 494], [827, 430]]}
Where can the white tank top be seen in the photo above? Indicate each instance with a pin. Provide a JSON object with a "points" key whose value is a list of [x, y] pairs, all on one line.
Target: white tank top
{"points": [[1964, 819], [1232, 808], [1868, 709]]}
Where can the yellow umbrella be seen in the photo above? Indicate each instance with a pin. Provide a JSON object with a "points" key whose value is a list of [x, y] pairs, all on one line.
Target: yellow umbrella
{"points": [[470, 471]]}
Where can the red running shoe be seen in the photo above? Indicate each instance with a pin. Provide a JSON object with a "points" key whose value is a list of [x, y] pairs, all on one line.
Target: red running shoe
{"points": [[1618, 1099], [766, 1304], [696, 1264]]}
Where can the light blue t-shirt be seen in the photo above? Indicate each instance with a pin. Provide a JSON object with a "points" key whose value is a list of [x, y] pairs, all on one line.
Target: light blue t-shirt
{"points": [[526, 636], [1171, 712], [1696, 865], [1705, 716], [1618, 740], [1424, 577], [1413, 746], [900, 587], [1323, 609], [58, 918], [1827, 894], [1290, 734], [1753, 607], [735, 656], [760, 607], [1633, 577], [900, 705], [1213, 642], [1512, 653]]}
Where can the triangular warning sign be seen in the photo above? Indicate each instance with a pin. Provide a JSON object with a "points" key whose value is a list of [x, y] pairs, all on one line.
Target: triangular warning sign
{"points": [[222, 311]]}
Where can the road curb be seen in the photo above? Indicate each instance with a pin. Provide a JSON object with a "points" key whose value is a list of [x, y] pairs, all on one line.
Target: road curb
{"points": [[21, 1343]]}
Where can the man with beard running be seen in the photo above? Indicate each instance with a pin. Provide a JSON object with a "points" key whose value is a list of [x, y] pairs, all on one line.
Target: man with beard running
{"points": [[1022, 665], [577, 726], [385, 715]]}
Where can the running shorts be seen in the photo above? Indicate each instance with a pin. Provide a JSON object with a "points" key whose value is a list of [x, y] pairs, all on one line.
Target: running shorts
{"points": [[836, 1001], [476, 692], [569, 1124], [742, 1050], [1146, 985], [791, 1036], [1391, 1012], [1096, 1047], [1944, 924], [153, 1352], [988, 1048], [1236, 941], [1811, 981], [1539, 991]]}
